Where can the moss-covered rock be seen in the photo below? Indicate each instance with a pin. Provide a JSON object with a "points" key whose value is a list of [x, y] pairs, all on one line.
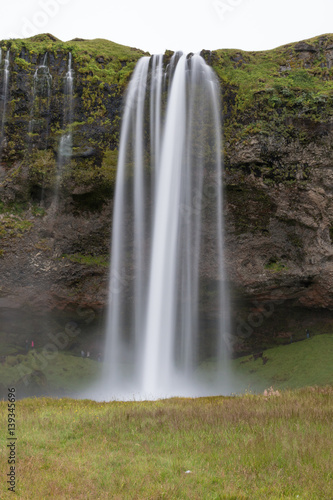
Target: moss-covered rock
{"points": [[36, 109]]}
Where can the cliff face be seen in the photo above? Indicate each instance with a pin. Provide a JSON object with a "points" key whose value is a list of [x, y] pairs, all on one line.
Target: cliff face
{"points": [[53, 258], [278, 156], [278, 128]]}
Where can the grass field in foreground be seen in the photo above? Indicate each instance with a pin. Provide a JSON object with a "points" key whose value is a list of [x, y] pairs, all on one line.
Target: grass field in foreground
{"points": [[244, 447]]}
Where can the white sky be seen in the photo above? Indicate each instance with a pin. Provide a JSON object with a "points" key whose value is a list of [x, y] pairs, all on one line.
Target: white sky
{"points": [[189, 25]]}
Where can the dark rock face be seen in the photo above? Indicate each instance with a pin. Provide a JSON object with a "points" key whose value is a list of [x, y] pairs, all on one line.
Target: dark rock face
{"points": [[278, 155], [279, 175], [50, 260], [289, 225]]}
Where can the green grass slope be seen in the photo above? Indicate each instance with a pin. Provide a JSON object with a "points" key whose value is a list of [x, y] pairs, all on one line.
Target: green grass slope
{"points": [[299, 364], [58, 373]]}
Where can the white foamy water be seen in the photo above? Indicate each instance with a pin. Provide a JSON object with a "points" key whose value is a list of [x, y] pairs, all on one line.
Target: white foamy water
{"points": [[168, 322]]}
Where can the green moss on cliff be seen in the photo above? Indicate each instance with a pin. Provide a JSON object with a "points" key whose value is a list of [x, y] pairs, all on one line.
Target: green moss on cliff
{"points": [[277, 74], [88, 260], [36, 120], [275, 266], [13, 227], [42, 169], [101, 61], [285, 94]]}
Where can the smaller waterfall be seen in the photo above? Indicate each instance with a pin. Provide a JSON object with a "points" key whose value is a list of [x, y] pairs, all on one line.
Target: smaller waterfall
{"points": [[4, 100], [39, 122], [157, 74], [65, 143]]}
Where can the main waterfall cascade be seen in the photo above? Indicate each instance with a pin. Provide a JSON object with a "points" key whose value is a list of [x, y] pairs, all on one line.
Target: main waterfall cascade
{"points": [[168, 321]]}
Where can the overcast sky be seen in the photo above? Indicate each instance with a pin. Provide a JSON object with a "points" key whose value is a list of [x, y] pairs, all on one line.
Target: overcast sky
{"points": [[157, 25]]}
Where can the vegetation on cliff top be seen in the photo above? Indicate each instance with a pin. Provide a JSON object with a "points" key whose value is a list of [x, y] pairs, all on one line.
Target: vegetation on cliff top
{"points": [[100, 59], [35, 121], [278, 96], [294, 75]]}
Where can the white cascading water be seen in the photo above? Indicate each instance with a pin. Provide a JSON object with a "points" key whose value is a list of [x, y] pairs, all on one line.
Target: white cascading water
{"points": [[42, 88], [65, 144], [168, 321], [4, 100], [66, 140]]}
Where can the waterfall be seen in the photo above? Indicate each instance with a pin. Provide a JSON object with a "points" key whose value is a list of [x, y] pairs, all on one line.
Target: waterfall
{"points": [[169, 307], [41, 100], [65, 143], [4, 100]]}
